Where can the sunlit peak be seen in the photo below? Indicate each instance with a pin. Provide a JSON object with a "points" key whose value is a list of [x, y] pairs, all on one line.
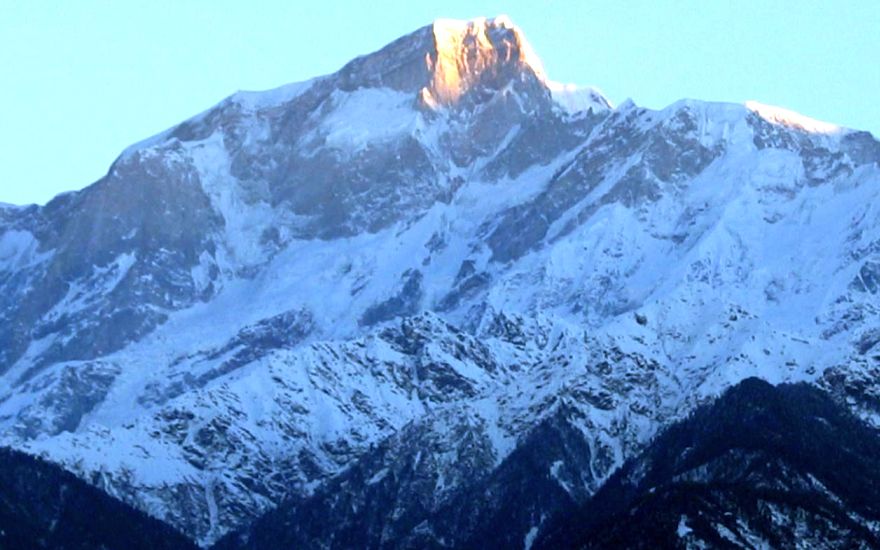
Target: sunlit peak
{"points": [[791, 119], [464, 50]]}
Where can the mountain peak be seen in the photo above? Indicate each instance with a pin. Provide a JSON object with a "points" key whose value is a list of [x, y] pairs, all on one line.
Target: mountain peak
{"points": [[467, 52], [445, 61], [498, 38]]}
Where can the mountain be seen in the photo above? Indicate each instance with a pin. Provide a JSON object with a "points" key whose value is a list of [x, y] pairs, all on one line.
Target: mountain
{"points": [[761, 467], [42, 506], [417, 264], [424, 491]]}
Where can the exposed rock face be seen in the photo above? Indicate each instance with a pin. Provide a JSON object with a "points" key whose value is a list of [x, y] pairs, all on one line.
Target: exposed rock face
{"points": [[107, 264], [338, 276], [472, 57]]}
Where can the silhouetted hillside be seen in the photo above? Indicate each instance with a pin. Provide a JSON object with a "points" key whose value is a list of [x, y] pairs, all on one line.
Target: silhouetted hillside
{"points": [[43, 506]]}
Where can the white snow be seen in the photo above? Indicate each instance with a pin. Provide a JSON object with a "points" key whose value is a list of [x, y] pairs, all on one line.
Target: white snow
{"points": [[791, 119], [102, 281], [250, 102], [576, 99], [683, 530], [531, 537], [255, 101], [554, 473], [19, 250], [352, 124]]}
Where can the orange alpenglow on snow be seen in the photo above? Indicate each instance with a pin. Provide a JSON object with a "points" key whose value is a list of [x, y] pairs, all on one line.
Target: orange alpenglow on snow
{"points": [[465, 50], [791, 119]]}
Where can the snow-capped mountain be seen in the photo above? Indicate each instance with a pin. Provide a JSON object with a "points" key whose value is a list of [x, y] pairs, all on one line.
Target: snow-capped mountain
{"points": [[760, 467], [434, 252]]}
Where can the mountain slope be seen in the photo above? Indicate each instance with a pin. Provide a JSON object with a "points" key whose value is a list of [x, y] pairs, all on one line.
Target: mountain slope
{"points": [[42, 506], [436, 486], [259, 296], [763, 466]]}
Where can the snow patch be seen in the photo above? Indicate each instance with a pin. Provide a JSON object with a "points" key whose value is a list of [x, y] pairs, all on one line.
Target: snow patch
{"points": [[256, 101], [576, 99], [18, 250], [555, 474], [683, 530], [352, 124], [531, 537]]}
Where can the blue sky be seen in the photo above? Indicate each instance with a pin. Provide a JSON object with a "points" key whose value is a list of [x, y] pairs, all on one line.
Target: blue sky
{"points": [[83, 79]]}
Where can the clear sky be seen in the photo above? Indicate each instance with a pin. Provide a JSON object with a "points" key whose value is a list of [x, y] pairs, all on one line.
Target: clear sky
{"points": [[83, 79]]}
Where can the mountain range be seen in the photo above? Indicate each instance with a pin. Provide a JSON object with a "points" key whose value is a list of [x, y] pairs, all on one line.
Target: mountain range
{"points": [[436, 299]]}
